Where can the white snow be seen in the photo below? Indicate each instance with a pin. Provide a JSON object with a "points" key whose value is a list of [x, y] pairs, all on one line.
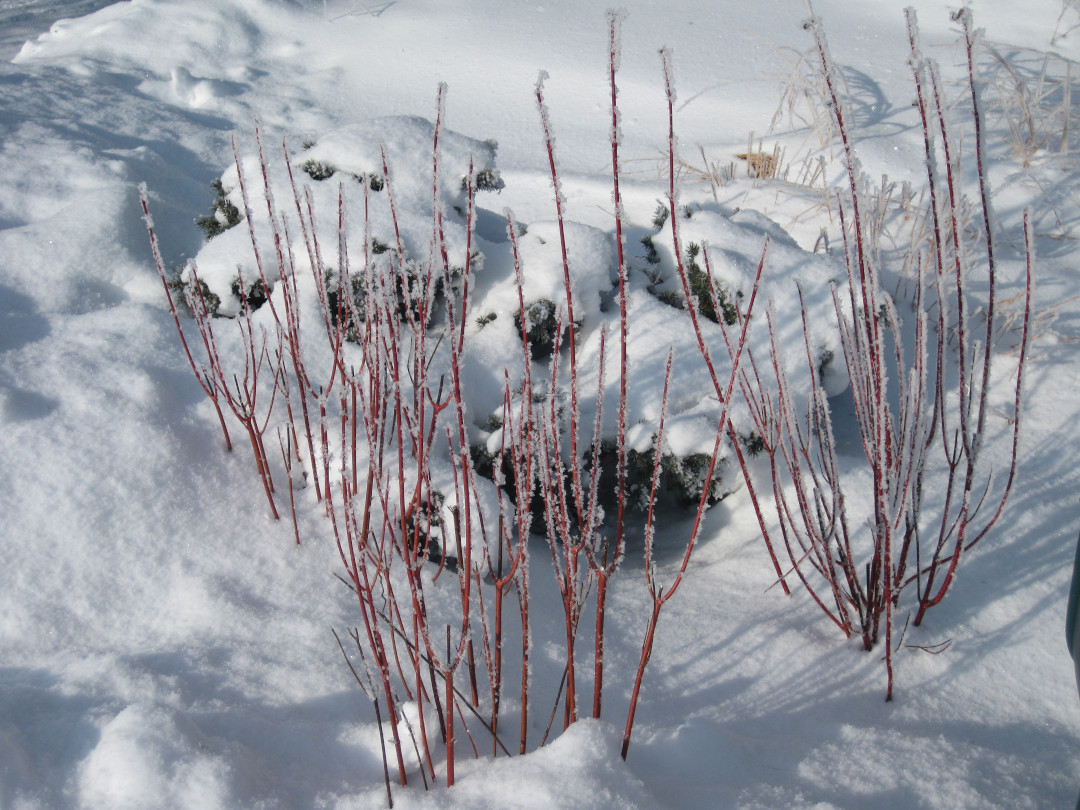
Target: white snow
{"points": [[165, 644]]}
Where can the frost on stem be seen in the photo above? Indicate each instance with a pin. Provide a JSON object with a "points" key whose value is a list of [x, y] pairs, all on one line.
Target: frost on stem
{"points": [[549, 137], [385, 432], [669, 89], [736, 349], [207, 384], [921, 396], [615, 21]]}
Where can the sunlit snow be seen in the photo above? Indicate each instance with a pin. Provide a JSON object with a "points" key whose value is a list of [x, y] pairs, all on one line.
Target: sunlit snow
{"points": [[165, 644]]}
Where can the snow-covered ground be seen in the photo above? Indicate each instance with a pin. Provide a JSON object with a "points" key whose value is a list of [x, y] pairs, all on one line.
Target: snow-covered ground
{"points": [[164, 643]]}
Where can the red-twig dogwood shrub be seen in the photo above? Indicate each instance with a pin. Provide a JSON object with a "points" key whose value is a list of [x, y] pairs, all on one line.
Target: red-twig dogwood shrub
{"points": [[922, 387]]}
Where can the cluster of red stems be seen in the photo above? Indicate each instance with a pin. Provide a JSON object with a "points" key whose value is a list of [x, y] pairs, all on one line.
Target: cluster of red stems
{"points": [[908, 411], [391, 401]]}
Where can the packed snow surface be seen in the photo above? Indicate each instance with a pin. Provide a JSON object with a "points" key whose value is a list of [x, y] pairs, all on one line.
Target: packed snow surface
{"points": [[165, 644]]}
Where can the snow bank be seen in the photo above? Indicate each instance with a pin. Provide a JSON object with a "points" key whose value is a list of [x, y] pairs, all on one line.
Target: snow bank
{"points": [[167, 645]]}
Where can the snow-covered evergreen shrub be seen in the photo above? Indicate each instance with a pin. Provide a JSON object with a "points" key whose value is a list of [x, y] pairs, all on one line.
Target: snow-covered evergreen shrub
{"points": [[253, 294], [392, 222], [223, 214], [406, 354], [682, 477], [541, 318]]}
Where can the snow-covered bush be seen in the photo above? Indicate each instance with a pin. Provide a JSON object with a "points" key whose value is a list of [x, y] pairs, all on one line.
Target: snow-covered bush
{"points": [[446, 393], [397, 227], [223, 213], [921, 388]]}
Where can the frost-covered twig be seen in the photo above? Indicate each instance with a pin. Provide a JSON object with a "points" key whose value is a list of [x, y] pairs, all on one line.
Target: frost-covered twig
{"points": [[920, 391], [659, 594], [204, 380]]}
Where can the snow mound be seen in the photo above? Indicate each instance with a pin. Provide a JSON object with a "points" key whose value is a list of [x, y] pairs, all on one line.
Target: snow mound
{"points": [[581, 770], [150, 756]]}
